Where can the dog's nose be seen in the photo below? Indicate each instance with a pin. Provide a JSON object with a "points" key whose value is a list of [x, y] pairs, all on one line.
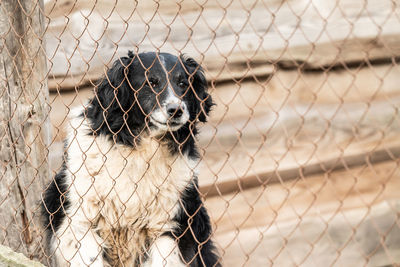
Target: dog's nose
{"points": [[174, 110]]}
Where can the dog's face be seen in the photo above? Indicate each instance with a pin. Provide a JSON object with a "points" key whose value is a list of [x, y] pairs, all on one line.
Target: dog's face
{"points": [[165, 91], [155, 91]]}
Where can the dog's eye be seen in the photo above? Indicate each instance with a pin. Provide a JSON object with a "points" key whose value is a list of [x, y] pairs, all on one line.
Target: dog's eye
{"points": [[152, 83], [182, 84]]}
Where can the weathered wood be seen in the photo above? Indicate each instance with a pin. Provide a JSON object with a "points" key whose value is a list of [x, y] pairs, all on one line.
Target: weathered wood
{"points": [[24, 127], [300, 122], [297, 141], [260, 178], [232, 40], [343, 215], [361, 237], [325, 193]]}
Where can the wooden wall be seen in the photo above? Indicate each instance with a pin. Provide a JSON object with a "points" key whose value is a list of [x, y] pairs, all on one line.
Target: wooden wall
{"points": [[301, 155]]}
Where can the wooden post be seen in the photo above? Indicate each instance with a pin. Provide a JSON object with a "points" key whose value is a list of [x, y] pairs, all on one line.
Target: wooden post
{"points": [[24, 126]]}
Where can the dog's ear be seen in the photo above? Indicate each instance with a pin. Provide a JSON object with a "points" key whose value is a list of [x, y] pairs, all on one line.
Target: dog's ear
{"points": [[131, 54], [114, 88], [112, 96], [199, 83], [111, 110], [206, 106]]}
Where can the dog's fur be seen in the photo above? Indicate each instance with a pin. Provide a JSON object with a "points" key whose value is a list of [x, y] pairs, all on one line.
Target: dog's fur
{"points": [[127, 192]]}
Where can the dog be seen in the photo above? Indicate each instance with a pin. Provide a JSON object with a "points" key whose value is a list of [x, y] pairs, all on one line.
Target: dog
{"points": [[127, 193]]}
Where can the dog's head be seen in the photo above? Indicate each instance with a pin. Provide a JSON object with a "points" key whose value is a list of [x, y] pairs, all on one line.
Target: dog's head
{"points": [[153, 92]]}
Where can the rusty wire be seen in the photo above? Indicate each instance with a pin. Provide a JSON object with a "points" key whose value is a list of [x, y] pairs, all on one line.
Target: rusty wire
{"points": [[300, 157]]}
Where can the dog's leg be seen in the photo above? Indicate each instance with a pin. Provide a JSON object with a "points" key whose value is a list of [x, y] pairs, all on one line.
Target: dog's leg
{"points": [[195, 231], [76, 247], [164, 252]]}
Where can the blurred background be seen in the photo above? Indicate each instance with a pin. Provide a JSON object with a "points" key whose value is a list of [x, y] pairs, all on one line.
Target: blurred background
{"points": [[300, 158]]}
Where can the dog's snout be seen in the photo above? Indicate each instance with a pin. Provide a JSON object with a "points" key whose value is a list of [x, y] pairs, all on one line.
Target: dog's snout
{"points": [[174, 110]]}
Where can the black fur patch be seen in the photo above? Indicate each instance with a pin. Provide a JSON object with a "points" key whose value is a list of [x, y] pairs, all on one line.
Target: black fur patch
{"points": [[55, 202], [194, 230]]}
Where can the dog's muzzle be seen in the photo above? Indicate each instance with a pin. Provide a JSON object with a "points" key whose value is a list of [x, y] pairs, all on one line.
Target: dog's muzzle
{"points": [[171, 116], [174, 111]]}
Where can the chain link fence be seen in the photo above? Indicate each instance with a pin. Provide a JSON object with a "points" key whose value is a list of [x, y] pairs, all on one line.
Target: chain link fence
{"points": [[299, 159]]}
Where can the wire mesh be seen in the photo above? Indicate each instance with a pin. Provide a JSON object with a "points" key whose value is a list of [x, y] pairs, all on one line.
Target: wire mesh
{"points": [[298, 162]]}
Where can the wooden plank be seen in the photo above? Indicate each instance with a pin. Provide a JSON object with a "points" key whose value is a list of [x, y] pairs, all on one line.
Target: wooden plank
{"points": [[24, 127], [224, 186], [345, 240], [326, 193], [315, 122], [340, 217], [232, 40]]}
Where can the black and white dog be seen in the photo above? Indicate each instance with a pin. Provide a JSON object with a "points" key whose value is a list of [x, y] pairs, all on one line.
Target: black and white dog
{"points": [[127, 193]]}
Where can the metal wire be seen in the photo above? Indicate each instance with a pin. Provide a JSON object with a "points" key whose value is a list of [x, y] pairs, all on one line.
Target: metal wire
{"points": [[300, 158]]}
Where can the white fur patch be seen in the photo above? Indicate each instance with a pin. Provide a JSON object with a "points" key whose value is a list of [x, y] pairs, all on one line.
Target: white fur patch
{"points": [[162, 59], [164, 252], [113, 186], [77, 246]]}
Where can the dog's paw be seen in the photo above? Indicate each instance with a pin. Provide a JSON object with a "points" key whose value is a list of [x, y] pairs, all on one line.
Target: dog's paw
{"points": [[164, 252], [86, 252], [86, 260]]}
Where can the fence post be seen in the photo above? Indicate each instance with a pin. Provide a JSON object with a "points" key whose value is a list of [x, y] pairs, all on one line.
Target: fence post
{"points": [[24, 126]]}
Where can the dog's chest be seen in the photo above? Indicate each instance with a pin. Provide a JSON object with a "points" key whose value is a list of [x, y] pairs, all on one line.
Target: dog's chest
{"points": [[123, 187]]}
